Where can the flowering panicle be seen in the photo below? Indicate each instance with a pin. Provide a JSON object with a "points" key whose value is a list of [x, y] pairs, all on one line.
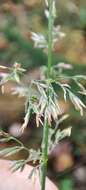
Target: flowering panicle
{"points": [[47, 14], [40, 40], [42, 99]]}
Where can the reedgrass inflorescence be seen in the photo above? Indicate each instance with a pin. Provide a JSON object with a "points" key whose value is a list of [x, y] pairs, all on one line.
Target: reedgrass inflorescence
{"points": [[42, 99]]}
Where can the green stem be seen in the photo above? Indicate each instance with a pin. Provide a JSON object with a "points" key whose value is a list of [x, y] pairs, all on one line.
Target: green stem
{"points": [[46, 127], [44, 155], [50, 38]]}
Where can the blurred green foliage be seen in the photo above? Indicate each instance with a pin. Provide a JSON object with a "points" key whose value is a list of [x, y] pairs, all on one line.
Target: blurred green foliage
{"points": [[66, 184]]}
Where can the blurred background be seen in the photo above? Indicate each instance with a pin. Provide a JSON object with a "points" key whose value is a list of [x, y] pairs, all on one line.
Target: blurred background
{"points": [[67, 163]]}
